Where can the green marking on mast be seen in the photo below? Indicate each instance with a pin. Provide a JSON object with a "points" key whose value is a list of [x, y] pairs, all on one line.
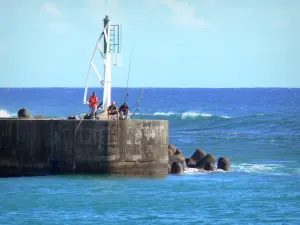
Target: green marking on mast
{"points": [[106, 42]]}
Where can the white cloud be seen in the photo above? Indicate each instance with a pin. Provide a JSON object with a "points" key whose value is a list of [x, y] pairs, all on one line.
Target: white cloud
{"points": [[184, 15], [57, 23], [50, 8]]}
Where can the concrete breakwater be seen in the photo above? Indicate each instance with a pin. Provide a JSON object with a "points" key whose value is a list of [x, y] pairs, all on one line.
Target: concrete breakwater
{"points": [[54, 146]]}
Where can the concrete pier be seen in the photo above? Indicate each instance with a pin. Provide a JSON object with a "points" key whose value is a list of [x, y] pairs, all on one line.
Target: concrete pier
{"points": [[50, 146]]}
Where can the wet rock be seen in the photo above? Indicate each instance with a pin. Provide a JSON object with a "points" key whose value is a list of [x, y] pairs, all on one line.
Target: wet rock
{"points": [[24, 113], [175, 155], [224, 164], [172, 147], [207, 158], [177, 168], [179, 153], [209, 166], [170, 154], [184, 164], [176, 158], [190, 162], [198, 155]]}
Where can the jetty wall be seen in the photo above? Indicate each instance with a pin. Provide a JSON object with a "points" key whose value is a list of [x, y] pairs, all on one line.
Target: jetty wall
{"points": [[52, 146]]}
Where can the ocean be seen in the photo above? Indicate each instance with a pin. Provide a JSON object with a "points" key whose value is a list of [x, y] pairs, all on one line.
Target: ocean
{"points": [[258, 129]]}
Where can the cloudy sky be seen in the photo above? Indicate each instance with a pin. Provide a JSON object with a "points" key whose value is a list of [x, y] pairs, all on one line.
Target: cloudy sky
{"points": [[175, 43]]}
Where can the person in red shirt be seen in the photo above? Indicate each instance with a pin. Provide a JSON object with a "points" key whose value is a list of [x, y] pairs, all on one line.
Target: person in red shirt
{"points": [[93, 103]]}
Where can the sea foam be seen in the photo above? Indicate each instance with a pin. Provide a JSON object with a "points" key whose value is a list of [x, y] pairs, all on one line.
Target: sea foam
{"points": [[4, 114], [163, 114], [194, 115], [194, 171], [275, 169], [188, 115], [257, 168]]}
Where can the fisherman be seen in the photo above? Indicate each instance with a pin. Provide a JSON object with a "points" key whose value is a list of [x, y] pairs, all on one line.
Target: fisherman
{"points": [[112, 111], [124, 112], [121, 112], [93, 103]]}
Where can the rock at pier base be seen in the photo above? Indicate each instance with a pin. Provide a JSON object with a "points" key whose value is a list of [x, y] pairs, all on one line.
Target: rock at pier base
{"points": [[208, 158], [198, 155], [209, 166], [190, 162], [177, 168], [224, 164], [175, 156], [199, 160], [172, 148]]}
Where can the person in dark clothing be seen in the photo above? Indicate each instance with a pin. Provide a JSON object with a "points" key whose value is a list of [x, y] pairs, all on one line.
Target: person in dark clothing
{"points": [[124, 111], [112, 111]]}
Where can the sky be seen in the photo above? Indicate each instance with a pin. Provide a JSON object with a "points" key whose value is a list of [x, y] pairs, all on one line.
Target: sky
{"points": [[174, 43]]}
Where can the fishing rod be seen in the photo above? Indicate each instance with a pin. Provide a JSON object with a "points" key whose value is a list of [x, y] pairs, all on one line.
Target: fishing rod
{"points": [[126, 94], [79, 124], [138, 103]]}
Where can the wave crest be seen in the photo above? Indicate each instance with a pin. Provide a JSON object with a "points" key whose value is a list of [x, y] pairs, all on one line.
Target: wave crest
{"points": [[270, 169], [4, 114], [258, 168], [187, 115], [164, 114], [193, 171]]}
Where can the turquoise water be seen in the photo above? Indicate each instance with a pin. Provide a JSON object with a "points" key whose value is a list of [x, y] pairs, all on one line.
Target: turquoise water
{"points": [[258, 129], [216, 198]]}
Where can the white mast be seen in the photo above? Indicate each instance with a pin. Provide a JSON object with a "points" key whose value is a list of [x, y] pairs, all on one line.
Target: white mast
{"points": [[111, 35], [107, 65]]}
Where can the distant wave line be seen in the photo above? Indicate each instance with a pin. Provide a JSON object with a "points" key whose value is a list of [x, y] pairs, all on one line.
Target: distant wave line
{"points": [[187, 115]]}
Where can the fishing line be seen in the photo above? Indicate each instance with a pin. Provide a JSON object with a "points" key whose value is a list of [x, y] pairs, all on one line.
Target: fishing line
{"points": [[126, 94]]}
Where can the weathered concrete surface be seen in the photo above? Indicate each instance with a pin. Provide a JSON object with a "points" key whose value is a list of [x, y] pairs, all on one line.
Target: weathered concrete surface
{"points": [[43, 146]]}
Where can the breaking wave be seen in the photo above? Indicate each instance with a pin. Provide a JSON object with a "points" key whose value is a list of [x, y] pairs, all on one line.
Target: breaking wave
{"points": [[4, 114], [194, 115], [257, 168], [274, 169], [164, 114], [187, 115], [191, 171]]}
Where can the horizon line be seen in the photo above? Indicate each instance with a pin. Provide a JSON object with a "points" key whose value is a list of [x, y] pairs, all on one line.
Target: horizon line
{"points": [[160, 87]]}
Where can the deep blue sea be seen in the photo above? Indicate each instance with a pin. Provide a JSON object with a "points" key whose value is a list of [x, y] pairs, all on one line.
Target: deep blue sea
{"points": [[258, 129]]}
